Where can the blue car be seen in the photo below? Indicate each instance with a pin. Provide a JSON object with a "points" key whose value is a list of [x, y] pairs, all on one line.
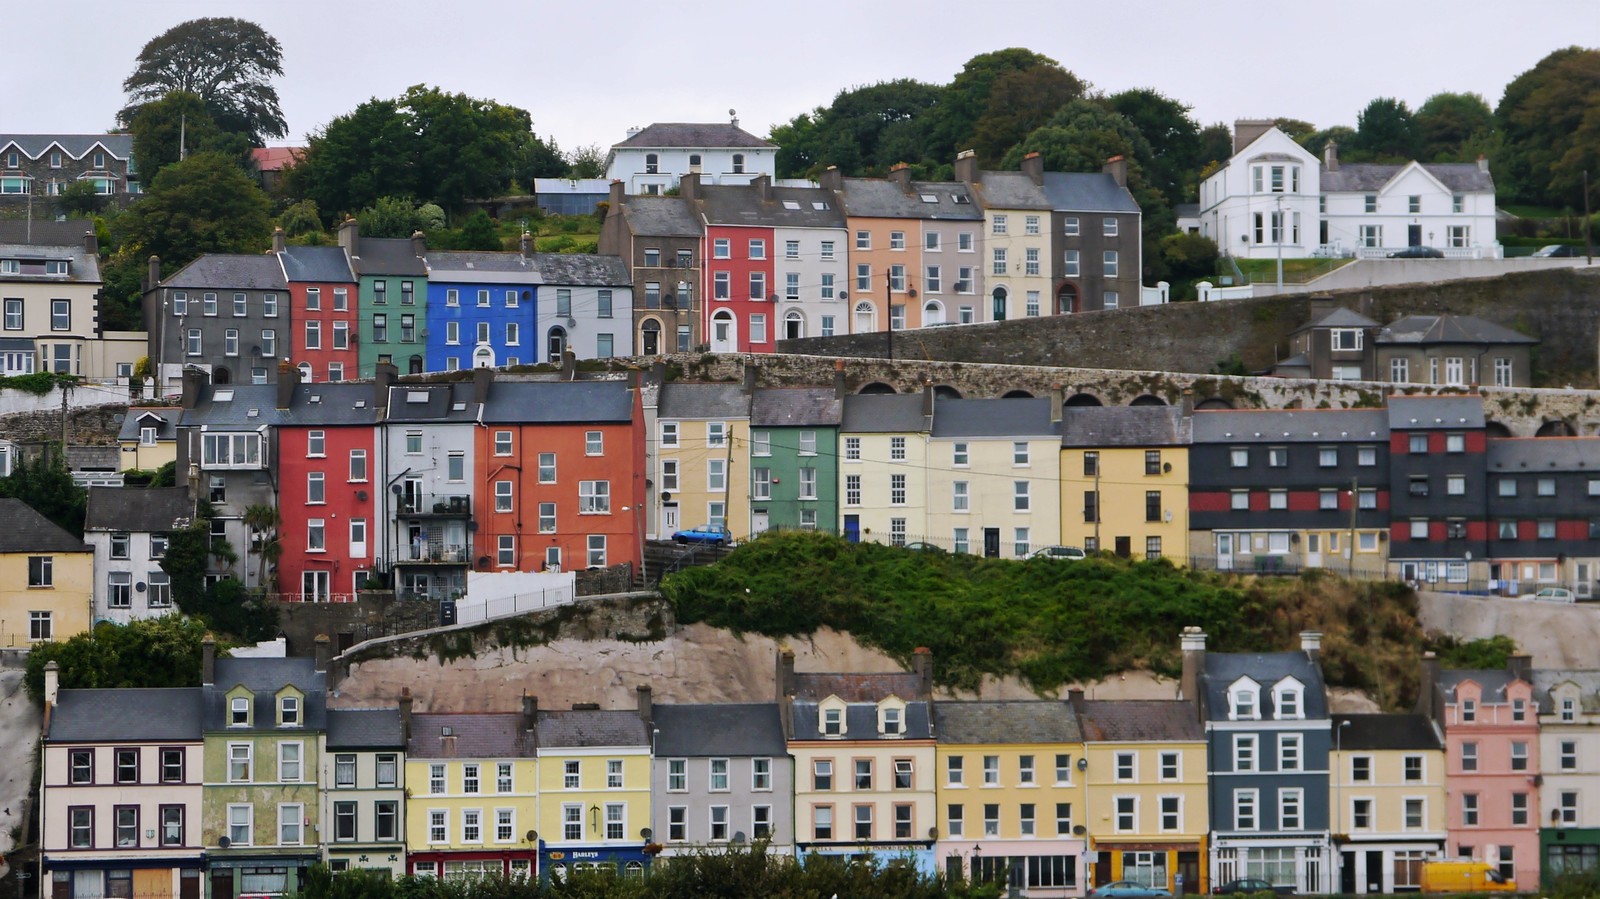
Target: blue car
{"points": [[1127, 889], [705, 534]]}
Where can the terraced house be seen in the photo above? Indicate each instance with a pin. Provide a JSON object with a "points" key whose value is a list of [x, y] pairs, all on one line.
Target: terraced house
{"points": [[702, 447], [228, 314], [480, 309], [1388, 801], [128, 530], [658, 240], [50, 299], [794, 446], [883, 467], [594, 789], [46, 579], [1569, 751], [720, 777], [993, 474], [1124, 480], [322, 295], [35, 167], [1017, 243], [427, 448], [363, 789], [392, 300]]}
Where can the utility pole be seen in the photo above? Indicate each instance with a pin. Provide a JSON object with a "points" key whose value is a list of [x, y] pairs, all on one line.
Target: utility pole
{"points": [[1588, 241], [1355, 500], [1277, 226], [64, 421], [888, 308]]}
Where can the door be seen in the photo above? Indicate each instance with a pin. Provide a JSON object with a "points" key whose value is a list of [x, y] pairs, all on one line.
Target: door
{"points": [[1413, 235], [152, 883], [222, 884], [1188, 874], [998, 311], [1102, 868], [1124, 547], [1224, 552], [758, 523], [1313, 550], [669, 519], [991, 543], [852, 528], [411, 495], [722, 337], [314, 586], [1374, 872], [650, 338], [189, 884], [1582, 585], [1347, 872]]}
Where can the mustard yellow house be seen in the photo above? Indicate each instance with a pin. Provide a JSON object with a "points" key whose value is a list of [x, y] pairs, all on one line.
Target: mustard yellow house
{"points": [[594, 789], [1389, 803], [473, 787], [994, 468], [148, 438], [1145, 778], [1011, 795], [1125, 480], [701, 457], [46, 579]]}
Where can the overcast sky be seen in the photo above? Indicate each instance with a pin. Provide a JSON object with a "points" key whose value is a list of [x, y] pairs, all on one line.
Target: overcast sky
{"points": [[588, 70]]}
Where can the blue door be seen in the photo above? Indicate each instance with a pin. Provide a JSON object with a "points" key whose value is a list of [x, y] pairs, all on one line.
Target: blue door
{"points": [[852, 528]]}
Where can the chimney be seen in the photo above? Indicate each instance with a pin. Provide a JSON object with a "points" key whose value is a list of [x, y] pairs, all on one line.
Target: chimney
{"points": [[1521, 667], [1033, 167], [1483, 163], [1117, 168], [52, 682], [689, 186], [1057, 395], [634, 376], [195, 380], [633, 132], [482, 379], [208, 660], [1330, 155], [831, 178], [569, 364], [658, 372], [383, 377], [763, 186], [1075, 699], [618, 191], [900, 176], [1427, 685], [405, 713], [153, 272], [922, 666], [323, 651], [278, 241], [350, 236], [646, 709], [751, 375], [419, 244], [530, 712], [967, 166], [526, 245], [785, 678], [838, 379], [927, 398], [1186, 403], [1193, 643], [1245, 131], [1311, 645], [91, 244], [1321, 307], [288, 380]]}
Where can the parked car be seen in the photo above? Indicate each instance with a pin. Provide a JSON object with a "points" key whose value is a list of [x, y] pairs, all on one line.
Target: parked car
{"points": [[1550, 594], [1417, 253], [1251, 885], [1557, 250], [1128, 890], [924, 548], [707, 534], [1068, 553]]}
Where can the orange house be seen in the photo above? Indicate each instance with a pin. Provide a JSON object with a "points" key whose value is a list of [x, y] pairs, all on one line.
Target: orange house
{"points": [[560, 476]]}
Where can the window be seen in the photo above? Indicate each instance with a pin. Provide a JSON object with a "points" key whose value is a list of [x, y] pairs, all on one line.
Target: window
{"points": [[991, 770], [1244, 809], [571, 775], [999, 260], [1469, 756], [594, 497], [1289, 754], [1244, 752], [1020, 498], [822, 822], [1567, 757], [289, 762], [1290, 803], [1110, 263], [1127, 766], [954, 770], [822, 774], [1519, 756]]}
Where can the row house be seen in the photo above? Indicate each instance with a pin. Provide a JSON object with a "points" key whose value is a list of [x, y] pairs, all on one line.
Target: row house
{"points": [[128, 531], [1389, 800], [322, 297], [585, 306], [1542, 504], [227, 314], [721, 776], [364, 789], [480, 309], [993, 467], [884, 465], [658, 241], [1569, 761], [594, 788], [702, 430], [45, 165], [426, 473], [1438, 464], [51, 311], [46, 579], [391, 300], [1126, 470], [1016, 243], [794, 446], [1097, 236]]}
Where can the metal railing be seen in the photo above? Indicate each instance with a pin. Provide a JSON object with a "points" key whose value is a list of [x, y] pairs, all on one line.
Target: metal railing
{"points": [[441, 553], [311, 597], [434, 504]]}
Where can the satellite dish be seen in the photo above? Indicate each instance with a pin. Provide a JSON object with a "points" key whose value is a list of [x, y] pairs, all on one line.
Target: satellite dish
{"points": [[532, 835], [224, 842], [733, 112]]}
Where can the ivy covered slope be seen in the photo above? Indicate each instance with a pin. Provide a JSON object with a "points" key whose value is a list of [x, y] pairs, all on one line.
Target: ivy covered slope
{"points": [[1050, 622]]}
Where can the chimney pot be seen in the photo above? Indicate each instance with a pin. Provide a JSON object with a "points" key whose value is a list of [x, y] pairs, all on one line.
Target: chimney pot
{"points": [[900, 176], [966, 166], [278, 240], [530, 712], [350, 236], [324, 651], [1193, 643], [405, 713], [646, 708]]}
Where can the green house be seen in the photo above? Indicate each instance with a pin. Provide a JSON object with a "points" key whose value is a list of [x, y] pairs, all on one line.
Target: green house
{"points": [[392, 301], [794, 452]]}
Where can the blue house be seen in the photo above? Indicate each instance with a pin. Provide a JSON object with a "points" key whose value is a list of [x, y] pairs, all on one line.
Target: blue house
{"points": [[1268, 734], [481, 310]]}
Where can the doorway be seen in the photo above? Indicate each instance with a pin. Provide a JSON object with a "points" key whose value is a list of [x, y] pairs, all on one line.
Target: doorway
{"points": [[650, 338], [759, 522], [1413, 235], [1124, 547], [1313, 550], [991, 543], [852, 528], [722, 337], [1224, 552]]}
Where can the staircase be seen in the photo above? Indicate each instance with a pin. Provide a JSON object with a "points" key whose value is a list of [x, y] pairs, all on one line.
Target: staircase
{"points": [[663, 557]]}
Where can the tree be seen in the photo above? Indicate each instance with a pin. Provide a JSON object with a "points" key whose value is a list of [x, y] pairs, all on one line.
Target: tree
{"points": [[301, 218], [863, 132], [586, 162], [46, 486], [480, 233], [152, 652], [390, 217], [543, 159], [1018, 103], [262, 521], [178, 124], [1216, 144], [466, 147], [80, 199], [1549, 120], [1174, 139], [965, 100], [226, 61], [1296, 129], [368, 153], [204, 204], [1385, 132], [1343, 137], [1446, 122]]}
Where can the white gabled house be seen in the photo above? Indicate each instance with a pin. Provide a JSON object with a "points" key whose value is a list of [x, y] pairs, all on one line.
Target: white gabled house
{"points": [[1265, 196]]}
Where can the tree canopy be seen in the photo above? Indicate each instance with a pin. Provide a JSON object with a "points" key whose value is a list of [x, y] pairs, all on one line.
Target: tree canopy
{"points": [[178, 123], [204, 204], [1446, 122], [1386, 132], [227, 62], [1549, 121], [46, 485], [153, 652]]}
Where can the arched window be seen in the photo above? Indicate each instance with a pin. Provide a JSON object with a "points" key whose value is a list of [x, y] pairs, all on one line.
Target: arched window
{"points": [[999, 307], [794, 325], [415, 365], [650, 338], [305, 372], [483, 356], [1067, 299], [557, 344], [738, 163], [221, 375], [724, 338], [652, 164]]}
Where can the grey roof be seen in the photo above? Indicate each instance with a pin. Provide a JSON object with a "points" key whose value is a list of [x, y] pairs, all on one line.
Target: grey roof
{"points": [[1265, 668], [1291, 426], [163, 418], [747, 729], [1026, 721], [389, 256], [1087, 192], [27, 531], [582, 269], [260, 399], [1367, 176], [1011, 190], [883, 414], [1433, 329], [441, 263], [82, 267], [1531, 455], [591, 727], [1394, 731], [264, 677], [1186, 210], [870, 688], [1408, 413], [1587, 680], [1340, 318], [481, 735], [444, 403], [693, 134], [132, 509], [340, 403], [860, 722], [75, 145], [126, 715], [882, 198], [787, 407], [230, 271], [661, 216], [1493, 681], [1015, 417], [1124, 426], [558, 402], [681, 400], [365, 729], [790, 207], [316, 264], [93, 458], [1140, 720], [44, 233]]}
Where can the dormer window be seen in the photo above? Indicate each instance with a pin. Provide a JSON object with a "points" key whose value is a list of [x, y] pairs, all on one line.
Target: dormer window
{"points": [[239, 712], [289, 711], [832, 722], [892, 721], [1469, 710], [1244, 701], [1569, 709], [1288, 700]]}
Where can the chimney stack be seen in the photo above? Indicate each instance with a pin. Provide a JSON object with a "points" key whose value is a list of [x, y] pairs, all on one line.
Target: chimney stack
{"points": [[152, 272], [618, 191], [1033, 167], [689, 186], [763, 185], [1330, 155], [288, 380], [1117, 168], [922, 665], [1057, 397], [751, 374], [383, 377], [569, 364], [323, 652], [646, 709], [831, 178], [91, 244], [927, 399], [1193, 643], [838, 379], [350, 236], [482, 380], [1427, 685], [1483, 163], [900, 176], [52, 683], [1075, 699], [1311, 645], [195, 380], [278, 241], [526, 245], [1521, 667], [405, 714], [530, 712], [1321, 306], [1245, 131], [208, 660], [419, 244], [785, 673], [967, 166]]}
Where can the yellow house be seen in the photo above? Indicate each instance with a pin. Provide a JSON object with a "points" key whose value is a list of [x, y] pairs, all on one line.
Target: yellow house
{"points": [[148, 438], [1016, 239], [472, 782], [1011, 795], [1388, 800], [46, 579], [884, 467], [1145, 777], [594, 790], [702, 451], [994, 468], [1125, 480]]}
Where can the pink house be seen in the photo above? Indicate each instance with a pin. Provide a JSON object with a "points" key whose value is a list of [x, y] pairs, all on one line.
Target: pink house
{"points": [[1491, 730]]}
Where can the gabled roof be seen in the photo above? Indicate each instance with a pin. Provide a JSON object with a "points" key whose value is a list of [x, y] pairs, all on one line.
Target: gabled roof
{"points": [[1025, 721], [389, 256], [1011, 190], [465, 735], [1463, 177], [126, 715], [870, 688], [1587, 680], [264, 678], [1412, 413], [1494, 682], [26, 531], [44, 233], [1135, 721], [365, 729], [230, 271], [1223, 669], [1549, 455], [578, 728], [788, 407], [883, 414], [1087, 192], [144, 511], [661, 217], [682, 400], [693, 135], [440, 403], [163, 418], [76, 146], [558, 402], [1389, 731], [882, 198], [790, 207], [340, 403], [1015, 417], [316, 264], [1424, 330], [582, 269], [1090, 426], [1290, 426], [1339, 318], [273, 159], [721, 729], [860, 721]]}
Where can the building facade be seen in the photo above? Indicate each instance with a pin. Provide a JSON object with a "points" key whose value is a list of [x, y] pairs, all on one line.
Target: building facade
{"points": [[651, 160], [721, 777], [1389, 800], [882, 459], [1124, 480], [473, 782], [364, 789], [128, 529], [46, 579], [228, 314]]}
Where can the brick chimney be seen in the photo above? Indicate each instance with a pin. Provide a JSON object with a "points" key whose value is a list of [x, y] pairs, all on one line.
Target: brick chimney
{"points": [[195, 380], [1427, 685], [278, 241], [927, 398], [288, 380], [1311, 645], [383, 377], [763, 186], [1245, 131], [1057, 399], [831, 178], [646, 708], [900, 176], [1117, 168], [967, 166], [689, 186], [530, 712], [52, 683], [1330, 155], [1033, 167], [838, 379], [618, 191], [1520, 665], [208, 660], [752, 374], [350, 236], [482, 380], [1193, 643], [152, 272], [405, 713], [922, 666], [323, 652], [91, 244], [1321, 306], [419, 244], [1483, 163], [785, 675]]}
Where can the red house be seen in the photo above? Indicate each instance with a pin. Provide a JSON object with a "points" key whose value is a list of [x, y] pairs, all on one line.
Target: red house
{"points": [[323, 299], [738, 314]]}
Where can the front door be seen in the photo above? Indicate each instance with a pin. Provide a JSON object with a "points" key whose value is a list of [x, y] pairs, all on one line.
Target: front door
{"points": [[314, 586], [1347, 872], [1313, 550], [852, 528], [991, 543], [669, 519], [1124, 547], [1189, 873], [1413, 235], [1374, 872], [222, 883], [650, 344], [722, 340], [758, 523], [1224, 552]]}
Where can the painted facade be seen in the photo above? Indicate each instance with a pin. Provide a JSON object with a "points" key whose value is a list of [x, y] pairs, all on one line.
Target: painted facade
{"points": [[883, 467], [993, 477], [322, 299], [363, 784], [702, 446], [594, 790], [1124, 481], [585, 306], [1389, 800], [720, 777], [1016, 240], [46, 579], [1265, 200], [480, 309], [1569, 760], [128, 529], [51, 308], [474, 787], [794, 445], [229, 314], [425, 477], [392, 300], [148, 438]]}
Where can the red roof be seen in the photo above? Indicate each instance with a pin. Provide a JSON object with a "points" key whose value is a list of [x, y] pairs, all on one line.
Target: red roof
{"points": [[272, 159]]}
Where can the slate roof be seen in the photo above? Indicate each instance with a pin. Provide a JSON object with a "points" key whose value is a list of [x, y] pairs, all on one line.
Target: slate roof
{"points": [[164, 420], [730, 204], [860, 722], [264, 677], [870, 688], [27, 531], [1493, 681], [1339, 318], [882, 198], [680, 400], [389, 256], [442, 400], [1303, 425], [1587, 681], [558, 402], [82, 267], [1088, 426], [1408, 413], [577, 728], [1425, 330], [582, 269], [1011, 190], [126, 715], [1463, 177], [661, 216], [694, 134], [316, 264], [76, 145], [441, 263], [482, 735], [788, 407], [219, 271], [883, 414], [132, 509], [1026, 721], [1087, 192], [235, 413], [1140, 720], [1016, 417], [1531, 455], [1402, 731], [365, 729], [1265, 668], [325, 403], [43, 233], [722, 729]]}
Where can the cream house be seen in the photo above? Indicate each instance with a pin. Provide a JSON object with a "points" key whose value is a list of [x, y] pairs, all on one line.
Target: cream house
{"points": [[884, 467]]}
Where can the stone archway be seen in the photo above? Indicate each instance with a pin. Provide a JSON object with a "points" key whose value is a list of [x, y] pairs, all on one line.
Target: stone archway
{"points": [[946, 392], [1017, 395], [1213, 402], [1492, 428], [1147, 399], [877, 388], [1083, 399], [1555, 428]]}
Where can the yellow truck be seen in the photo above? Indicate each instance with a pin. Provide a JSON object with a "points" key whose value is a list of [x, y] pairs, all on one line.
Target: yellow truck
{"points": [[1464, 877]]}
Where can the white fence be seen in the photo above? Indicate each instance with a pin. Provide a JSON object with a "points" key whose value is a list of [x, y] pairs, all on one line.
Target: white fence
{"points": [[492, 595], [1209, 292], [1154, 296]]}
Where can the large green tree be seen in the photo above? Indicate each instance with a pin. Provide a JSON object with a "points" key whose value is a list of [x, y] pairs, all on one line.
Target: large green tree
{"points": [[46, 485], [863, 132], [228, 62], [466, 147], [1019, 102], [588, 161], [1446, 122], [966, 99], [204, 204], [1549, 121], [154, 652], [368, 153], [1386, 132], [180, 123], [1174, 139]]}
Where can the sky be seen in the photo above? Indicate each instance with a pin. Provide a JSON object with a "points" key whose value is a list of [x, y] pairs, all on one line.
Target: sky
{"points": [[588, 71]]}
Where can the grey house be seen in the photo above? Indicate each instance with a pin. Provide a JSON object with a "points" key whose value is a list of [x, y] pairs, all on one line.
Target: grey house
{"points": [[228, 314], [658, 240], [721, 776], [1457, 350], [1094, 220]]}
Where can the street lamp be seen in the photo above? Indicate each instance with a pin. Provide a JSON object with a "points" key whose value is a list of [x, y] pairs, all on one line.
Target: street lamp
{"points": [[1277, 227], [1338, 784]]}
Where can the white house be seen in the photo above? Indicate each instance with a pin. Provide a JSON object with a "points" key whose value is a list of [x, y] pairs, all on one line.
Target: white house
{"points": [[1263, 200], [1377, 209], [426, 453], [652, 159], [128, 529]]}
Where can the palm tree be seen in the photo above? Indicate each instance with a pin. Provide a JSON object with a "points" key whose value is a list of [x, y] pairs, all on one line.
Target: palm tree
{"points": [[263, 520]]}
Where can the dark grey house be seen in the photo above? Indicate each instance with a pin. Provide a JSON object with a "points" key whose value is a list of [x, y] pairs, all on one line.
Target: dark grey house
{"points": [[226, 313], [658, 239], [1094, 220]]}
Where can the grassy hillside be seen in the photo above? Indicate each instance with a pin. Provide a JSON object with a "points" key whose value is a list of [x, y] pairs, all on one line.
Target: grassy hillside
{"points": [[1050, 622]]}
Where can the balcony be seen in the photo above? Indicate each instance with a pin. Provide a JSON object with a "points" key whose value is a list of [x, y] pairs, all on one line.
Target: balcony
{"points": [[433, 552], [430, 505]]}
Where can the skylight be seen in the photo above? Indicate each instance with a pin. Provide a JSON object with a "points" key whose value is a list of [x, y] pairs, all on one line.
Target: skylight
{"points": [[222, 396], [361, 404], [253, 413], [791, 204], [818, 204], [416, 396], [929, 198], [959, 198], [316, 398], [458, 407]]}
